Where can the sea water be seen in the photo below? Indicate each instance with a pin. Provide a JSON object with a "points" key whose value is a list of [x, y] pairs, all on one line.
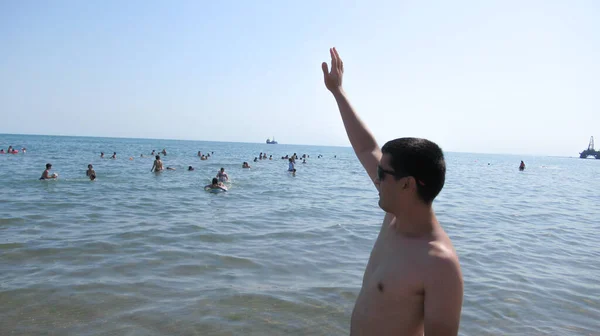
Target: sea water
{"points": [[139, 253]]}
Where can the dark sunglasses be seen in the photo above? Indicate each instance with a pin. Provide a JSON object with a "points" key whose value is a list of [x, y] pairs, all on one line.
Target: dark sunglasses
{"points": [[382, 172]]}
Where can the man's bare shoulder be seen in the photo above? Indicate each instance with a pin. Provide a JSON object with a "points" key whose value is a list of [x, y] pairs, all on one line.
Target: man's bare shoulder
{"points": [[441, 251], [442, 260]]}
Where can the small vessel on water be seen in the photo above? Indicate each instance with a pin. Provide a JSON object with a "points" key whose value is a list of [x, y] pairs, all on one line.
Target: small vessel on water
{"points": [[271, 142], [590, 151]]}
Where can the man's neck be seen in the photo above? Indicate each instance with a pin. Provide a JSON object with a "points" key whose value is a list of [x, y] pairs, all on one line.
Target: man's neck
{"points": [[419, 221]]}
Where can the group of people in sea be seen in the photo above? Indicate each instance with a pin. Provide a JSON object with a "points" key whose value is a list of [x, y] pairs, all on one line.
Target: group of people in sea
{"points": [[217, 183], [11, 150]]}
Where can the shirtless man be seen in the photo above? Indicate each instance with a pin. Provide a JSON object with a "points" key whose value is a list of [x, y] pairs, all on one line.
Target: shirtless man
{"points": [[157, 166], [413, 283], [222, 175], [46, 174]]}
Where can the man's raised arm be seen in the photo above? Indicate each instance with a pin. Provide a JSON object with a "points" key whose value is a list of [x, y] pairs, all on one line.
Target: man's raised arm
{"points": [[363, 142]]}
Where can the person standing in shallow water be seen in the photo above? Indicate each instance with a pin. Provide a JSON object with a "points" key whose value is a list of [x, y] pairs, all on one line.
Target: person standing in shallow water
{"points": [[91, 173], [158, 165], [413, 283], [222, 175], [46, 174]]}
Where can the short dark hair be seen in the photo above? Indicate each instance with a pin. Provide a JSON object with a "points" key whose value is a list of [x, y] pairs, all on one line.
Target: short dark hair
{"points": [[215, 180], [421, 159]]}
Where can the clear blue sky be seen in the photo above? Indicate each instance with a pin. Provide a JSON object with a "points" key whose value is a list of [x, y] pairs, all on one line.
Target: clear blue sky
{"points": [[475, 76]]}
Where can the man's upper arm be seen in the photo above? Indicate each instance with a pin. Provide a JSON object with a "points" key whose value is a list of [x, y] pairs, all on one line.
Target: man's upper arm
{"points": [[443, 297], [370, 160]]}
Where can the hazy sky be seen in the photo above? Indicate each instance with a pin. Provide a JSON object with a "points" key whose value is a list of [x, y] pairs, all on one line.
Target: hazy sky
{"points": [[475, 76]]}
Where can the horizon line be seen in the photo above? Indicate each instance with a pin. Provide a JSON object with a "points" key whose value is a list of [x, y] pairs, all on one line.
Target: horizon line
{"points": [[292, 144]]}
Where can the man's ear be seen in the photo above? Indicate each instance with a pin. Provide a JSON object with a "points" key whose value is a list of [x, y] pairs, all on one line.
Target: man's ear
{"points": [[409, 182]]}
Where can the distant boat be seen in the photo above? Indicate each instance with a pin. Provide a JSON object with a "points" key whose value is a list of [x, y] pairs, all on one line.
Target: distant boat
{"points": [[271, 142], [590, 151]]}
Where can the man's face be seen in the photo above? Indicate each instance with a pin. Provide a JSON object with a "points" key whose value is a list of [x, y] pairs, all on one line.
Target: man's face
{"points": [[391, 188]]}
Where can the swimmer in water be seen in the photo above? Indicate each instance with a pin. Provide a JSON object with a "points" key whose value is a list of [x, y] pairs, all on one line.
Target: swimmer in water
{"points": [[102, 155], [215, 185], [245, 165], [170, 168], [157, 166], [46, 174], [291, 165], [222, 175], [190, 168], [90, 172], [114, 156], [522, 166]]}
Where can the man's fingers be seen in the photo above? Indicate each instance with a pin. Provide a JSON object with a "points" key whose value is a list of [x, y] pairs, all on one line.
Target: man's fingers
{"points": [[325, 69], [338, 59], [333, 58]]}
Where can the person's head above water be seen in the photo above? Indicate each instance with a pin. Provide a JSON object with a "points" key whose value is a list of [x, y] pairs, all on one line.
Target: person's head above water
{"points": [[215, 180], [48, 165], [412, 171], [90, 166], [158, 157], [222, 169], [190, 168]]}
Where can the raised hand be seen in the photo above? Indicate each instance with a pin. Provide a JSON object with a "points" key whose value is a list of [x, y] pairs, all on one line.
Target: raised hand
{"points": [[333, 78]]}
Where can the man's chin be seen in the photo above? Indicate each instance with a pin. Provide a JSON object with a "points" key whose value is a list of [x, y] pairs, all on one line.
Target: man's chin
{"points": [[381, 205]]}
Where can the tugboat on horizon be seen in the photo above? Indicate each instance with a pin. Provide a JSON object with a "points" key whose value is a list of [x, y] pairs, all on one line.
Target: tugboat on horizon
{"points": [[271, 142]]}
